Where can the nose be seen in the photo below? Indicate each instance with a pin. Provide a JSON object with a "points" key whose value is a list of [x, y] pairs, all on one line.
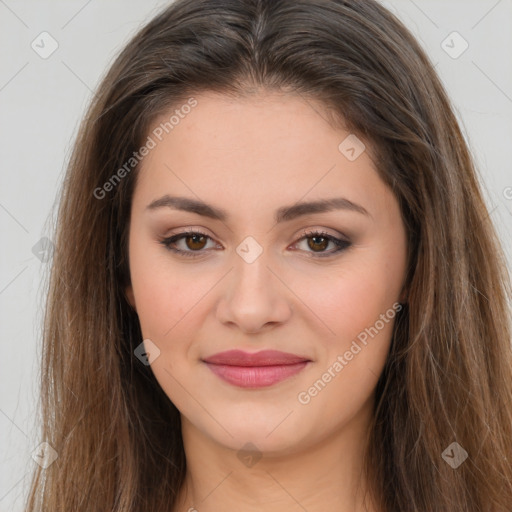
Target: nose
{"points": [[253, 297]]}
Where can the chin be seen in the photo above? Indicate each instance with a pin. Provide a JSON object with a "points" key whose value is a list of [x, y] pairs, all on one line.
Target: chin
{"points": [[249, 439], [269, 431]]}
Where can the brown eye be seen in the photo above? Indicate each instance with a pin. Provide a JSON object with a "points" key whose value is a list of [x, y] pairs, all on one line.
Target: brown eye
{"points": [[318, 242], [195, 242], [189, 244]]}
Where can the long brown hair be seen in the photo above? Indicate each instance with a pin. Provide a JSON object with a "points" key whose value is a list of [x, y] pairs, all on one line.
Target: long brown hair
{"points": [[448, 377]]}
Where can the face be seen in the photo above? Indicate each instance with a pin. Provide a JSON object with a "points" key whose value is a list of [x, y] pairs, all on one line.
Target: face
{"points": [[260, 270]]}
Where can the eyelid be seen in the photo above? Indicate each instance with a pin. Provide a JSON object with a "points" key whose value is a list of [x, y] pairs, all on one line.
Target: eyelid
{"points": [[323, 232], [168, 240], [341, 241]]}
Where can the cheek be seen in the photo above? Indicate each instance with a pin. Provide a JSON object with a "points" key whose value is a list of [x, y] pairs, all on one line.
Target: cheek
{"points": [[350, 300], [360, 310], [161, 295], [358, 305], [162, 305]]}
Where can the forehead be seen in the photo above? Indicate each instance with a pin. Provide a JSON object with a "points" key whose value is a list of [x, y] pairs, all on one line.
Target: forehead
{"points": [[256, 150]]}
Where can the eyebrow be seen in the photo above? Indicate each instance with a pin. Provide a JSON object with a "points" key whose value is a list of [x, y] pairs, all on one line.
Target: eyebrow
{"points": [[283, 214]]}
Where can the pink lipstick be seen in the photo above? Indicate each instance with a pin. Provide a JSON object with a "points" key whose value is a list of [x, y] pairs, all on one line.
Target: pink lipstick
{"points": [[260, 369]]}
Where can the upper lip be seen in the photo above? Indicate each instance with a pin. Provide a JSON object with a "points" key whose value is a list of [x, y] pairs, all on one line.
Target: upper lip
{"points": [[263, 358]]}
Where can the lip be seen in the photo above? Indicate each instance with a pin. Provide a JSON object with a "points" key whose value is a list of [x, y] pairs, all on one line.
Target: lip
{"points": [[255, 370]]}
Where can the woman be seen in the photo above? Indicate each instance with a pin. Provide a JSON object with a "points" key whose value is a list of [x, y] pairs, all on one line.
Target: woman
{"points": [[275, 285]]}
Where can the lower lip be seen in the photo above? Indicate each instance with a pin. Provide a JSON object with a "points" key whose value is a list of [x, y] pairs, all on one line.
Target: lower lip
{"points": [[256, 376]]}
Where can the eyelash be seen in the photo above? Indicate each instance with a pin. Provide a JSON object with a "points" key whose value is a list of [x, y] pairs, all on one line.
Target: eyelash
{"points": [[341, 245]]}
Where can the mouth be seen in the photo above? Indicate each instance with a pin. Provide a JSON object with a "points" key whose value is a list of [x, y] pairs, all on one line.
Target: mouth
{"points": [[261, 369]]}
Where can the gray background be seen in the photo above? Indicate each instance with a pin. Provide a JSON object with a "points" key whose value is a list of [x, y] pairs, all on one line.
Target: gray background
{"points": [[43, 100]]}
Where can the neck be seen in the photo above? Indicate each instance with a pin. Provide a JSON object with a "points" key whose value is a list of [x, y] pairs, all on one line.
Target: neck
{"points": [[315, 477]]}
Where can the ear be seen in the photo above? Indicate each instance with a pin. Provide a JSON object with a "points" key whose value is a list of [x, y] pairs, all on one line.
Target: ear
{"points": [[130, 297]]}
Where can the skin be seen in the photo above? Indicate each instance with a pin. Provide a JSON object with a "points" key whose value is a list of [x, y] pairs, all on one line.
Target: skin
{"points": [[250, 157]]}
